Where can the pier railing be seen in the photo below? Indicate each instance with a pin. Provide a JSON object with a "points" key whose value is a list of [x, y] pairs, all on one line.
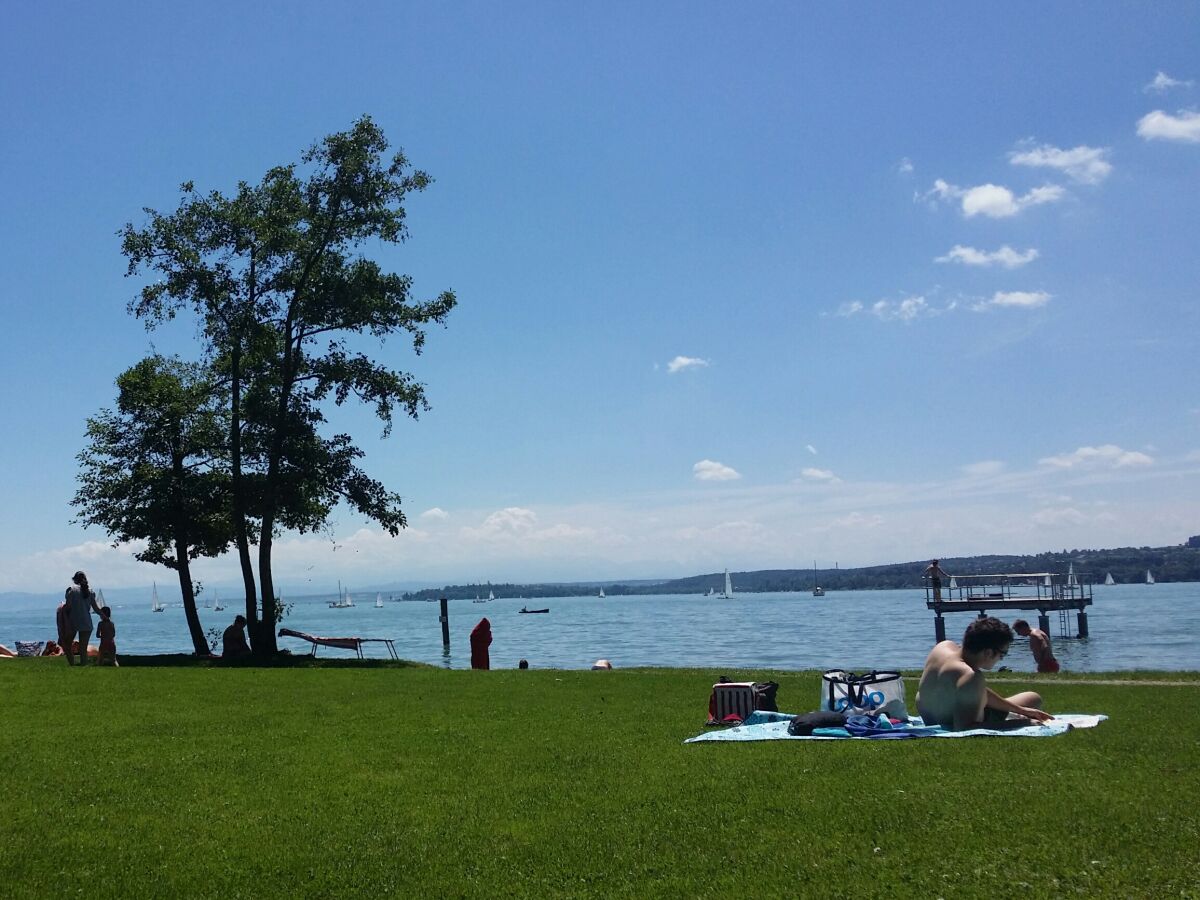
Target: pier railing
{"points": [[1041, 591]]}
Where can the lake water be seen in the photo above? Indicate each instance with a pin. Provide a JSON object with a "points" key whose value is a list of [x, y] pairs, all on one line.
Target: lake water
{"points": [[1132, 627]]}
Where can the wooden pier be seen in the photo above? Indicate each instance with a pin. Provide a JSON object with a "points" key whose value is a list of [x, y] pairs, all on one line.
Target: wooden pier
{"points": [[1043, 591]]}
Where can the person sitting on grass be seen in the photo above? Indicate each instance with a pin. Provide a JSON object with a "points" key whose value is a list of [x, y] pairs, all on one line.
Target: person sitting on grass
{"points": [[953, 693], [233, 641], [1039, 645], [108, 638]]}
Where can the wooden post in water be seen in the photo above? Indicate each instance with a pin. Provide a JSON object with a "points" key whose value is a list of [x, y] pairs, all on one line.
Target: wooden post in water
{"points": [[1043, 622], [1083, 626], [939, 629], [444, 618]]}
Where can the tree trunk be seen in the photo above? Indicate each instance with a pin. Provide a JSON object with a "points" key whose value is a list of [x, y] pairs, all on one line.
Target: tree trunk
{"points": [[199, 644], [237, 488], [274, 460]]}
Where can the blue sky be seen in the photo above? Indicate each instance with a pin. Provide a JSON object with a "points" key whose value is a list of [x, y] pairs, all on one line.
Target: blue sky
{"points": [[739, 287]]}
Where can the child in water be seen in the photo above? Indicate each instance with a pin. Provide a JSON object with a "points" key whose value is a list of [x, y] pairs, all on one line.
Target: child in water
{"points": [[108, 638]]}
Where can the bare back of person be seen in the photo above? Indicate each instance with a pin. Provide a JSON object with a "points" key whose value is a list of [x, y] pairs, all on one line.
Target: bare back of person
{"points": [[951, 693]]}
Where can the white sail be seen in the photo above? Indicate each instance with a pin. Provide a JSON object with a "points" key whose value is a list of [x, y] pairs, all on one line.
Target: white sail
{"points": [[217, 604], [1071, 579], [601, 593], [1149, 577], [379, 601], [155, 606], [728, 592], [491, 596], [1108, 579]]}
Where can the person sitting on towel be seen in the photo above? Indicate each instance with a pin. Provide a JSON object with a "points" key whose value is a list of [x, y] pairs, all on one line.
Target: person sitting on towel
{"points": [[953, 692], [233, 641]]}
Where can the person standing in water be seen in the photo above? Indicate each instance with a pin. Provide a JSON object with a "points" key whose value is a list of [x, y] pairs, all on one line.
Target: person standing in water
{"points": [[1039, 645], [80, 601]]}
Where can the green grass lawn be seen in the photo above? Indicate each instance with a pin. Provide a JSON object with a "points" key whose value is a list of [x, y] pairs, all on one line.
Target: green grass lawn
{"points": [[352, 779]]}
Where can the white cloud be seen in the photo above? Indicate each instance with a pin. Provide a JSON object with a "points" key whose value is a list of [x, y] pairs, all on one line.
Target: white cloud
{"points": [[435, 513], [1162, 126], [811, 449], [859, 520], [822, 475], [708, 470], [680, 363], [993, 200], [905, 166], [902, 310], [1014, 300], [905, 310], [1006, 256], [1105, 456], [1064, 516], [986, 467], [1086, 165], [1163, 82], [510, 520]]}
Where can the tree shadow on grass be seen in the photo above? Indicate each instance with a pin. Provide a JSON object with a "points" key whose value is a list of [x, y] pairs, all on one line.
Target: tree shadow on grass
{"points": [[279, 661]]}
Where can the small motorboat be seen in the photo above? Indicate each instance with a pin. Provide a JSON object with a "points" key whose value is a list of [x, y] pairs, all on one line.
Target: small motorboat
{"points": [[524, 610]]}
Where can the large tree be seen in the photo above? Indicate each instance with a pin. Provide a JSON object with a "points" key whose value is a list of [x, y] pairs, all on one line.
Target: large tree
{"points": [[154, 470], [276, 279]]}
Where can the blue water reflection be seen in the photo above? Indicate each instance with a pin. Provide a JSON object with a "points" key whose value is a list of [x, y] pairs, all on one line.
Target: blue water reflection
{"points": [[1132, 627]]}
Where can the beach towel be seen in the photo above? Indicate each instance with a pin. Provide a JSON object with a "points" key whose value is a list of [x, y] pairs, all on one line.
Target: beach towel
{"points": [[29, 648], [773, 726]]}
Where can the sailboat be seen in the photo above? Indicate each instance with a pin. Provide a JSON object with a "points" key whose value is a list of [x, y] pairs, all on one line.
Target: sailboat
{"points": [[343, 601], [710, 592], [155, 605], [217, 604], [727, 594], [818, 591], [1071, 579], [601, 593], [379, 601], [1108, 579], [1149, 577], [491, 596]]}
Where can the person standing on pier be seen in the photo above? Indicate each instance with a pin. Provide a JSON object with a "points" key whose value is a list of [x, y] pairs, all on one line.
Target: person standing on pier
{"points": [[1039, 644], [935, 575]]}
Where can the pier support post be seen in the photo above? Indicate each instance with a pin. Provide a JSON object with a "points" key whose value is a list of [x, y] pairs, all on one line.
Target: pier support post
{"points": [[444, 618], [939, 629], [1044, 622], [1083, 626]]}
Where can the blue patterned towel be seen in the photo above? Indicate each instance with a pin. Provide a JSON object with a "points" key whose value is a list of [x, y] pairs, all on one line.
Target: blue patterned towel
{"points": [[773, 726]]}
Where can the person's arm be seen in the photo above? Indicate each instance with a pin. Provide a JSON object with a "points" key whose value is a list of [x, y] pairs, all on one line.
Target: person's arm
{"points": [[95, 605], [995, 701]]}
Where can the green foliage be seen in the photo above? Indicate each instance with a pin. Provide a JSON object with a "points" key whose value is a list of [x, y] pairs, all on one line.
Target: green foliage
{"points": [[274, 276], [383, 779], [153, 469]]}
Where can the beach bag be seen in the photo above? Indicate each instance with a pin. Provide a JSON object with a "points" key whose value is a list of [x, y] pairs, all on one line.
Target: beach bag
{"points": [[732, 701], [849, 693]]}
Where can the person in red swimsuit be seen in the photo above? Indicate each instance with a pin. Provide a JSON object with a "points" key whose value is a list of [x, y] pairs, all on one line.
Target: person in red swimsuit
{"points": [[1039, 645]]}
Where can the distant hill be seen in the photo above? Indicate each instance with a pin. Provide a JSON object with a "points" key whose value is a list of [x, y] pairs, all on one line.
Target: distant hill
{"points": [[1126, 564]]}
